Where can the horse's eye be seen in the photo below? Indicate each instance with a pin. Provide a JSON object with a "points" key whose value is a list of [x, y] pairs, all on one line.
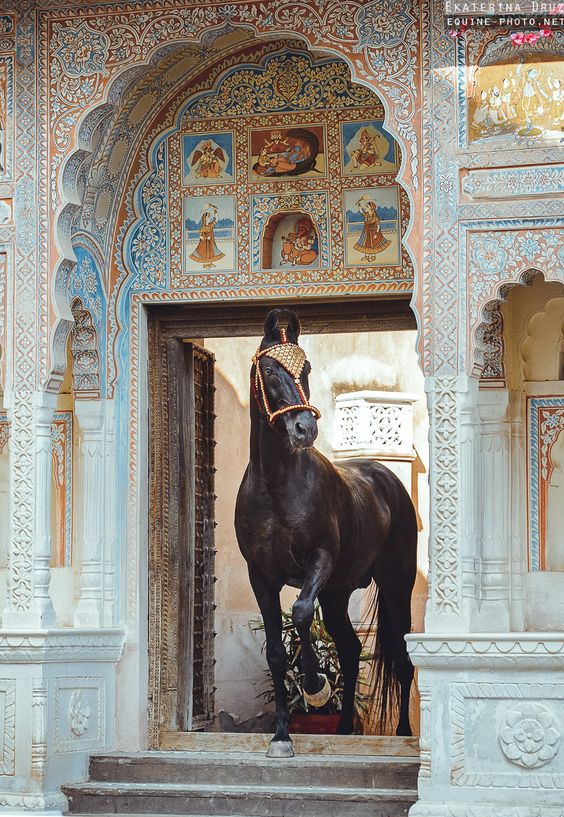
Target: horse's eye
{"points": [[268, 370]]}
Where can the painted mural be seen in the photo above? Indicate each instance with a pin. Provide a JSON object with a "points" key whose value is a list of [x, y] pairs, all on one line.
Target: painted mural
{"points": [[270, 189], [545, 455], [284, 152], [519, 100], [367, 149], [207, 158], [372, 226], [209, 229]]}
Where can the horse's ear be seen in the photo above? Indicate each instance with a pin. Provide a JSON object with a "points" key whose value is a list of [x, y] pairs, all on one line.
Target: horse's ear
{"points": [[293, 330], [270, 331]]}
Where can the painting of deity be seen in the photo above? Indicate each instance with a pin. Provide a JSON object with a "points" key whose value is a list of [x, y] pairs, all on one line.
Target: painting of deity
{"points": [[367, 149], [209, 233], [282, 152], [372, 226], [207, 159], [290, 240], [519, 101]]}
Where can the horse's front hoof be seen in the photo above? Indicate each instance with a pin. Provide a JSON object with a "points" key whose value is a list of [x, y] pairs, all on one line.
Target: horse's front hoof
{"points": [[280, 748], [320, 698]]}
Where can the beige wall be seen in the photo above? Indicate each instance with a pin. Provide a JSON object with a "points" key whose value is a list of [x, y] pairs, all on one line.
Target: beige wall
{"points": [[340, 363]]}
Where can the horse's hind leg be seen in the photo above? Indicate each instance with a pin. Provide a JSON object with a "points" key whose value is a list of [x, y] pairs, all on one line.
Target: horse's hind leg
{"points": [[319, 568], [268, 600], [335, 605]]}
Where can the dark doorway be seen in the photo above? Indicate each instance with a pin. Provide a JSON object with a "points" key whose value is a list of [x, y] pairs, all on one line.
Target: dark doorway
{"points": [[181, 488]]}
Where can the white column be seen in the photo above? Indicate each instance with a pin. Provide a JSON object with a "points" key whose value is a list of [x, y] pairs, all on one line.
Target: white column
{"points": [[493, 510], [90, 417], [518, 512], [110, 529], [28, 603]]}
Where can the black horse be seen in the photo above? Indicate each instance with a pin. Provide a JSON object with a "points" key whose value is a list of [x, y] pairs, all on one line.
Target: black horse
{"points": [[328, 530]]}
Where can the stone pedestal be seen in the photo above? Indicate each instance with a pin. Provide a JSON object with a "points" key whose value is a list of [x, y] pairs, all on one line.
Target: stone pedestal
{"points": [[493, 715], [57, 700]]}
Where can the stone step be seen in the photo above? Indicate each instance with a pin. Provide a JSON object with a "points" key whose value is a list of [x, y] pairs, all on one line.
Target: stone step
{"points": [[389, 745], [246, 801], [255, 769]]}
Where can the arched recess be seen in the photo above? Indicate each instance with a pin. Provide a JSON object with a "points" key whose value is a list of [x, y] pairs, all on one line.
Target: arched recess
{"points": [[528, 410], [80, 160]]}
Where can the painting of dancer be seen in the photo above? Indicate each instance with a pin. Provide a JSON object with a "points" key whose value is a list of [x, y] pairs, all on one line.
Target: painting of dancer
{"points": [[207, 159], [209, 233], [367, 149], [372, 226], [281, 152]]}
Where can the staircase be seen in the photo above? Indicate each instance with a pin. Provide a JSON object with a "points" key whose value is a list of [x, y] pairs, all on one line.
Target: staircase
{"points": [[229, 775]]}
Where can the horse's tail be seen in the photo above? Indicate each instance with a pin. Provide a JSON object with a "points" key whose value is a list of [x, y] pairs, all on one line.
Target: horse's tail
{"points": [[383, 682]]}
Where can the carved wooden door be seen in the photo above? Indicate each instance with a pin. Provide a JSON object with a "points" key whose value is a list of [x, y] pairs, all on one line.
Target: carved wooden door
{"points": [[196, 481]]}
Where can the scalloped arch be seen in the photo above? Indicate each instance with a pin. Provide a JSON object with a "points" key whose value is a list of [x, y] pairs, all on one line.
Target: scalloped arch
{"points": [[498, 297], [392, 86]]}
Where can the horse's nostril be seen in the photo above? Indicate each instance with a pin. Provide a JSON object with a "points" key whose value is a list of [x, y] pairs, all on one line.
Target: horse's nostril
{"points": [[300, 430]]}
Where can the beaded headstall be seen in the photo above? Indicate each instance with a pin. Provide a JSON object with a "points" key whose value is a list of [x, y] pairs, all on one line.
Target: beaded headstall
{"points": [[292, 358]]}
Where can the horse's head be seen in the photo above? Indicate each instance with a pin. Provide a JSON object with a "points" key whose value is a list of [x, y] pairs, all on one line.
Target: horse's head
{"points": [[281, 380]]}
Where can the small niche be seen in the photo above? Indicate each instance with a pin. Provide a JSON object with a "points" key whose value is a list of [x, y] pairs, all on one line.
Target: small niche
{"points": [[290, 239]]}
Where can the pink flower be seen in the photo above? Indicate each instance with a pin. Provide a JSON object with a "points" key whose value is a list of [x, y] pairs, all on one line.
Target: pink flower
{"points": [[517, 38], [546, 31], [456, 32]]}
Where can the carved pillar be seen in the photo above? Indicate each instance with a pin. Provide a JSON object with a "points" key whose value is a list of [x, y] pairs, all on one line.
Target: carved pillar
{"points": [[518, 548], [470, 554], [493, 510], [444, 607], [92, 491], [28, 603], [110, 529]]}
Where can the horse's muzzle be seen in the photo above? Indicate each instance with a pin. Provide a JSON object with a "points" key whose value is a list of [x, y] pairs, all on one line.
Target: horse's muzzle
{"points": [[302, 429]]}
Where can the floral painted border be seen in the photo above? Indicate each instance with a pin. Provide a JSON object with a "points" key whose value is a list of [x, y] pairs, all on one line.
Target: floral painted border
{"points": [[545, 421]]}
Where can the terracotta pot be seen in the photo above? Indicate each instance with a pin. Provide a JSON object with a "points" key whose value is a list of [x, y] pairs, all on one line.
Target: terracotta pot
{"points": [[302, 723]]}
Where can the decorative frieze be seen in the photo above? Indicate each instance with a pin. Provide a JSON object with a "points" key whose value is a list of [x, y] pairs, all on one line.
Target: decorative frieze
{"points": [[528, 735], [514, 182], [7, 727], [503, 651], [79, 714]]}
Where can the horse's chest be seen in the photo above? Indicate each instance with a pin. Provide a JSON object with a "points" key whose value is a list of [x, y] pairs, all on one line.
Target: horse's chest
{"points": [[278, 541]]}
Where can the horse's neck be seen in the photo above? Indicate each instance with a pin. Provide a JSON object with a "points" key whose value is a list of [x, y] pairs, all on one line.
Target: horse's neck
{"points": [[270, 456]]}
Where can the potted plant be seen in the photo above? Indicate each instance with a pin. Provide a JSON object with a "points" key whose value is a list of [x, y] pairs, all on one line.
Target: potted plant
{"points": [[305, 719]]}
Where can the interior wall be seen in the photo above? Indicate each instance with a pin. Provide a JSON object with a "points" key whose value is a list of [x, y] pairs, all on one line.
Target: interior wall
{"points": [[345, 362], [533, 319]]}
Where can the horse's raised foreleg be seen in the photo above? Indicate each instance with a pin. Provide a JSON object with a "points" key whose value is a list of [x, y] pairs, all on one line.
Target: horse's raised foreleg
{"points": [[318, 571], [334, 605], [268, 600]]}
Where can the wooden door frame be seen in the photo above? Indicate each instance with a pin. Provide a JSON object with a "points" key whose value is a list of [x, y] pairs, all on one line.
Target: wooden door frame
{"points": [[168, 328]]}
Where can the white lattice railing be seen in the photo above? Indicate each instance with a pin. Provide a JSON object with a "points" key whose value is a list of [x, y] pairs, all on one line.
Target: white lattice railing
{"points": [[374, 423]]}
